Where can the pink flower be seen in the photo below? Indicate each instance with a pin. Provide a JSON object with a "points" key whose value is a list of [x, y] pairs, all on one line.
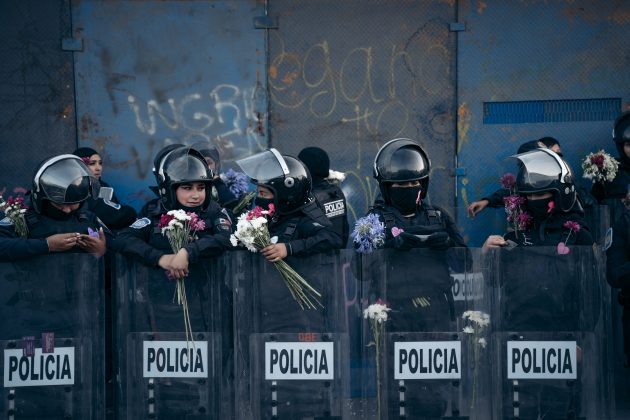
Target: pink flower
{"points": [[523, 220], [272, 209], [86, 160], [164, 220], [572, 226], [418, 197], [396, 231], [508, 181], [551, 206]]}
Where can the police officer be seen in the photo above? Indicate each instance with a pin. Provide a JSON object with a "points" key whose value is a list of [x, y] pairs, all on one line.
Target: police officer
{"points": [[417, 284], [57, 220], [300, 224], [546, 183], [326, 190], [220, 192], [402, 170], [105, 204], [184, 181], [611, 193]]}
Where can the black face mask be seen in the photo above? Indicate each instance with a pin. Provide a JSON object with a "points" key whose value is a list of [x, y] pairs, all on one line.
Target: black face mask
{"points": [[404, 198], [54, 213], [263, 202], [539, 209]]}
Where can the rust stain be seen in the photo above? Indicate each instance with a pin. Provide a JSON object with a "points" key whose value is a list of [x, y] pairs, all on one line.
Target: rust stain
{"points": [[463, 124], [290, 77], [273, 72], [87, 124], [481, 6], [621, 17]]}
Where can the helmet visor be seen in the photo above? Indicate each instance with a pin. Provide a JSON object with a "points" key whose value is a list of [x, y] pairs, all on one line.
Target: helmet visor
{"points": [[264, 166], [66, 181], [540, 169], [186, 168]]}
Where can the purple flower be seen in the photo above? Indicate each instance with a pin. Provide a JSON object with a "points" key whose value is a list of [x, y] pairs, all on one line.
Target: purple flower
{"points": [[93, 233], [368, 234], [237, 182], [508, 181]]}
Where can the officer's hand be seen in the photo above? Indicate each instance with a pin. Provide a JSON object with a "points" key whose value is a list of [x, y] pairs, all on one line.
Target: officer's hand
{"points": [[477, 207], [62, 241], [165, 261], [439, 241], [274, 252], [493, 241], [95, 246], [179, 264], [406, 241]]}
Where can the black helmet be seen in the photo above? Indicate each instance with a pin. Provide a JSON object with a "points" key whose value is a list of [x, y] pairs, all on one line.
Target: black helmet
{"points": [[62, 179], [401, 160], [285, 176], [181, 165], [208, 150], [543, 170]]}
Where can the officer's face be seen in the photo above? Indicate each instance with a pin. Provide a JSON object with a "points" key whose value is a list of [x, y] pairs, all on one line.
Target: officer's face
{"points": [[407, 184], [191, 195], [96, 166], [264, 192], [211, 163], [66, 208], [626, 149]]}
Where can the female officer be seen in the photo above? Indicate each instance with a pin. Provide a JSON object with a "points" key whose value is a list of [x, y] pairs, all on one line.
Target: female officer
{"points": [[183, 180]]}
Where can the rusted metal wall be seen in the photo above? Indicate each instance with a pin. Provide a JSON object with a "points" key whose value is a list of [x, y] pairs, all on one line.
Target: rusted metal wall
{"points": [[37, 117], [530, 69], [350, 75], [153, 73]]}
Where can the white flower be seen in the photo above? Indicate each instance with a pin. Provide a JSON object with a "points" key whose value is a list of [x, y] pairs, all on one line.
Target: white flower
{"points": [[339, 177], [469, 330], [376, 311], [179, 215], [482, 342], [233, 240], [480, 318]]}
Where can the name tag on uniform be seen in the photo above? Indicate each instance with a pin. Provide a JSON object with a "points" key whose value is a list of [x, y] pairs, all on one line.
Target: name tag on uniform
{"points": [[335, 208], [296, 360], [140, 223]]}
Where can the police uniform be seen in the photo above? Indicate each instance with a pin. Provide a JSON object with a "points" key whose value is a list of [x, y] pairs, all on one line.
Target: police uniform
{"points": [[333, 202], [40, 226], [618, 272], [113, 214], [145, 241]]}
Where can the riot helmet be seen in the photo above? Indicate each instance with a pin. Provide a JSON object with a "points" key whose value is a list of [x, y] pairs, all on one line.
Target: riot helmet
{"points": [[285, 176], [62, 179], [207, 150], [621, 135], [182, 165], [401, 160], [542, 170]]}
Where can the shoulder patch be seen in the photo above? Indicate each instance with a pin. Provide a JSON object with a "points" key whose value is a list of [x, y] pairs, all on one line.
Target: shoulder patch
{"points": [[6, 221], [140, 223], [317, 224], [112, 204]]}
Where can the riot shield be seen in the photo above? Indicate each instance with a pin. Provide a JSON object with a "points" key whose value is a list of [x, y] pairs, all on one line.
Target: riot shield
{"points": [[420, 365], [549, 334], [159, 373], [291, 362], [52, 337]]}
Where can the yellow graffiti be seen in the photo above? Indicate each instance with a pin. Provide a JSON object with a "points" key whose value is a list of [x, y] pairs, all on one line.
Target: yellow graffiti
{"points": [[464, 118]]}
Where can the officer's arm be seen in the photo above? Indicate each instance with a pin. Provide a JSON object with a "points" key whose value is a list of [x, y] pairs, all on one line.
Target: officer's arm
{"points": [[495, 199], [113, 215], [13, 247], [133, 241], [313, 238], [617, 264], [214, 240]]}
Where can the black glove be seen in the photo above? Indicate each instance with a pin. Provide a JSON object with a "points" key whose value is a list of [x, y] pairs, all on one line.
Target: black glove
{"points": [[406, 241], [438, 241]]}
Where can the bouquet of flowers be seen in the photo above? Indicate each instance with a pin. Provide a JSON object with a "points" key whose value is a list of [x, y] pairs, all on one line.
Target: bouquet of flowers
{"points": [[15, 209], [368, 233], [600, 167], [513, 202], [376, 314], [476, 322], [180, 228], [253, 233]]}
